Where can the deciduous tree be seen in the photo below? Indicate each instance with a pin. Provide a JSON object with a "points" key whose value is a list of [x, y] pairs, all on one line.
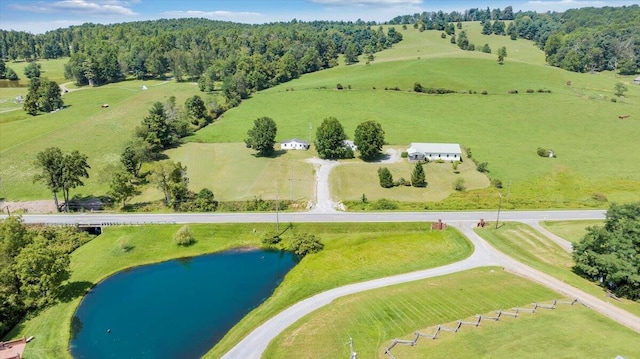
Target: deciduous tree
{"points": [[330, 139], [32, 70], [171, 178], [610, 254], [369, 138], [305, 243], [262, 136], [121, 189], [502, 53]]}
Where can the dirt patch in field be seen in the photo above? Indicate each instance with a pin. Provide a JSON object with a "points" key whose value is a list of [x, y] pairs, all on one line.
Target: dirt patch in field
{"points": [[43, 206]]}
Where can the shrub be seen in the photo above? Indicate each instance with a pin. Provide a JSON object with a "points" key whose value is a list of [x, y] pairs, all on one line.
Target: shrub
{"points": [[305, 243], [530, 91], [482, 167], [183, 237], [339, 86], [443, 36], [455, 165], [613, 99], [271, 238], [484, 92], [543, 152], [458, 184], [417, 87], [404, 154], [439, 160], [512, 92], [349, 87], [496, 183], [468, 151], [384, 204]]}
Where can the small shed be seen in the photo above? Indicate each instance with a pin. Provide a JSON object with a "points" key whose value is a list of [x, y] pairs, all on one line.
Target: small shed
{"points": [[637, 80], [294, 144], [434, 151]]}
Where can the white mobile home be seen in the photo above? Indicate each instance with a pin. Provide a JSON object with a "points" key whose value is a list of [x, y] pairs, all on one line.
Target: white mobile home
{"points": [[434, 151], [294, 144]]}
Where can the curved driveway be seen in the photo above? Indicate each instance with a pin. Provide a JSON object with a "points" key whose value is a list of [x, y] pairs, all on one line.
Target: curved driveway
{"points": [[254, 344]]}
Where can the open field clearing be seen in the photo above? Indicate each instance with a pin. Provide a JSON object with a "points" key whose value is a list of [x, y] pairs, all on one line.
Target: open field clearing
{"points": [[376, 317], [351, 254], [355, 177], [573, 231], [84, 125], [233, 172], [530, 247]]}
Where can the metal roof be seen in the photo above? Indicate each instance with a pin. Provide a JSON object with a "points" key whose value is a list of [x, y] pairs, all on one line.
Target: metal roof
{"points": [[435, 147], [295, 140]]}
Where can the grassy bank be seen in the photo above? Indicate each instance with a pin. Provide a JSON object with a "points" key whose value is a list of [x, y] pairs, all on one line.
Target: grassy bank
{"points": [[375, 317], [528, 246], [573, 231], [352, 253]]}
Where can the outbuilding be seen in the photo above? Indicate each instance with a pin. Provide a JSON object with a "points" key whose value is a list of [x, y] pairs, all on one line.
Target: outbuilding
{"points": [[350, 144], [434, 151], [637, 80], [294, 144]]}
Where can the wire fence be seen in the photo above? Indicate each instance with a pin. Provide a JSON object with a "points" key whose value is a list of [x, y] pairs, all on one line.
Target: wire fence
{"points": [[513, 312]]}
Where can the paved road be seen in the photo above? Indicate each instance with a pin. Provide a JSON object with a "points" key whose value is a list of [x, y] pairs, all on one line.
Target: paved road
{"points": [[257, 341], [298, 217]]}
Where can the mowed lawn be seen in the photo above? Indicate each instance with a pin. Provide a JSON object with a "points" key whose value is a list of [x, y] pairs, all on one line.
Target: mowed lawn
{"points": [[354, 178], [530, 247], [352, 253], [573, 231], [84, 125], [374, 318], [234, 172]]}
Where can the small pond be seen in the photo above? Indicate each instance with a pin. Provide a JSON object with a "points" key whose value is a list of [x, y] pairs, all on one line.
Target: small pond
{"points": [[175, 309]]}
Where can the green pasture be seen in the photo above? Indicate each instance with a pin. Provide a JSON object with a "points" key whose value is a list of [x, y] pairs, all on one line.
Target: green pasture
{"points": [[52, 69], [573, 231], [565, 332], [376, 317], [83, 125], [530, 247], [233, 172], [351, 254], [429, 44], [353, 178]]}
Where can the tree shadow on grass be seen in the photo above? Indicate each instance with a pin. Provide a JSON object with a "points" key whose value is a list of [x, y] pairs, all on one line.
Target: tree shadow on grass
{"points": [[74, 290], [274, 154]]}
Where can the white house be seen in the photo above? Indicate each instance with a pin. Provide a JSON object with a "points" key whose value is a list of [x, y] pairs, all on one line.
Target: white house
{"points": [[294, 144], [434, 151], [350, 144]]}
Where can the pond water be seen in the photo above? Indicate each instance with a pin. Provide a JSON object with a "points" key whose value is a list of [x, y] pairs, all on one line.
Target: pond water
{"points": [[175, 309]]}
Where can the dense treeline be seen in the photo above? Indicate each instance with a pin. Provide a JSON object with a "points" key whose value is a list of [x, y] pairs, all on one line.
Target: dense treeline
{"points": [[34, 262], [579, 40], [610, 255], [244, 57]]}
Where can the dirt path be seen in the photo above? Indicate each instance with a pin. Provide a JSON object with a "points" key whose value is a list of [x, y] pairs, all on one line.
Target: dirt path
{"points": [[323, 202]]}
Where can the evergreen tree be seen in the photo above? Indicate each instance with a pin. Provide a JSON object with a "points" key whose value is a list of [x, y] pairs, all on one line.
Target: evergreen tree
{"points": [[418, 177], [386, 179], [155, 129], [487, 29]]}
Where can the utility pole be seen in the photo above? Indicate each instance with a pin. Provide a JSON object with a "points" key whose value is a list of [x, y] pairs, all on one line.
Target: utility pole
{"points": [[499, 206], [277, 214]]}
